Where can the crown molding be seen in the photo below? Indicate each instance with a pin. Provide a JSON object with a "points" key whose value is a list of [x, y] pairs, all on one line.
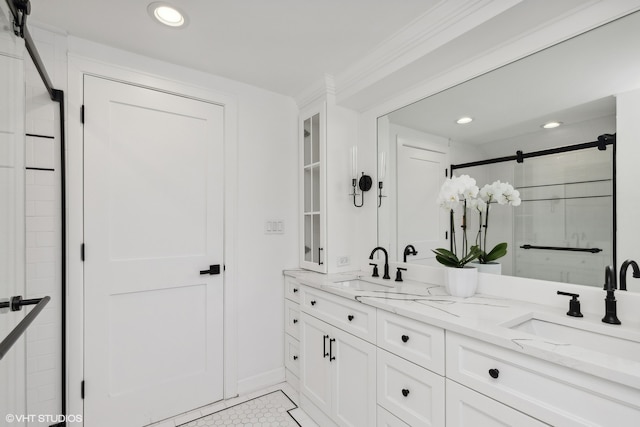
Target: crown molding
{"points": [[431, 30], [322, 89]]}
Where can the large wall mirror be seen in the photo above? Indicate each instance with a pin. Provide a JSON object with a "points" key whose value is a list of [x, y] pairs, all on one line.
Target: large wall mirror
{"points": [[563, 229]]}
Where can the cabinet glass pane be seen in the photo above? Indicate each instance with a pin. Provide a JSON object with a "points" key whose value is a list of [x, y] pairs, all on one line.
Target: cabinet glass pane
{"points": [[307, 190], [307, 142], [316, 238], [308, 253], [315, 137], [316, 187]]}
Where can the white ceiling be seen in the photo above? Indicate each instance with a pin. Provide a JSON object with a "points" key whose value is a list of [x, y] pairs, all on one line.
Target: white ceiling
{"points": [[280, 45]]}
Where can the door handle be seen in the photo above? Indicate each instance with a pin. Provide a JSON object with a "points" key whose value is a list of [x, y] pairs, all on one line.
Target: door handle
{"points": [[331, 356], [213, 269]]}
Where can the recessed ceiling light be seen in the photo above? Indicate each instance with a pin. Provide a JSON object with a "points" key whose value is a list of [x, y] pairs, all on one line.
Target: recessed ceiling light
{"points": [[551, 125], [464, 120], [167, 14]]}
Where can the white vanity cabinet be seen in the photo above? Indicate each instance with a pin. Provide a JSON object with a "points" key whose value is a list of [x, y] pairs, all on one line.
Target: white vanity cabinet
{"points": [[554, 394], [467, 408], [337, 373], [292, 331]]}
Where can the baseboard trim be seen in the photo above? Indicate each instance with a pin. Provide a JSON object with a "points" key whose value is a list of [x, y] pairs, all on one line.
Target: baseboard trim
{"points": [[260, 381]]}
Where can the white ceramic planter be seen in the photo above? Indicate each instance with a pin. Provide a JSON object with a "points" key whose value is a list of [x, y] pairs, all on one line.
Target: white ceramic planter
{"points": [[491, 268], [462, 282]]}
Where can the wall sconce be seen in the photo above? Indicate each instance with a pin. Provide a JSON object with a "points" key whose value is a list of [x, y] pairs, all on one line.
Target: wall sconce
{"points": [[382, 172], [364, 183]]}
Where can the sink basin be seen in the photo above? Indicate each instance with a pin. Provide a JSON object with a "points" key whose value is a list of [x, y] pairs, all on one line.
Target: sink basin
{"points": [[360, 285], [600, 338]]}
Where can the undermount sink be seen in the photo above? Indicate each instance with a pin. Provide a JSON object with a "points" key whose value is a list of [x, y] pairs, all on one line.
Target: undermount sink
{"points": [[360, 285], [601, 338]]}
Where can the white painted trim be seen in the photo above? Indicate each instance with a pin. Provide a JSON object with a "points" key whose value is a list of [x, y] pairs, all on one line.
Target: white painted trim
{"points": [[260, 381], [78, 67], [437, 26], [317, 92]]}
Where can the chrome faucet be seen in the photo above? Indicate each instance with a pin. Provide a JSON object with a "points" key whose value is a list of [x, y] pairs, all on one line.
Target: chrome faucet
{"points": [[386, 261], [623, 273], [610, 314], [409, 250]]}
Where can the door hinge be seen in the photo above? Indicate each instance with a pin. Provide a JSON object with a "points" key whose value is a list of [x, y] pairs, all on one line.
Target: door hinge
{"points": [[82, 389], [82, 252], [82, 114]]}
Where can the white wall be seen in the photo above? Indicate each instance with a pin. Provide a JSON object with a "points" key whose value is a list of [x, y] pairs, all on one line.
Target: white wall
{"points": [[267, 190]]}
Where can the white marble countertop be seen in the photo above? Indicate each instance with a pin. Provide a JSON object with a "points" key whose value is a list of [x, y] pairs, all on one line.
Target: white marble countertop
{"points": [[487, 318]]}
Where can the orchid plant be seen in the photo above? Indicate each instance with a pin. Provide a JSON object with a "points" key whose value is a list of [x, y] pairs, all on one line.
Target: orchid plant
{"points": [[462, 193], [501, 193], [458, 192]]}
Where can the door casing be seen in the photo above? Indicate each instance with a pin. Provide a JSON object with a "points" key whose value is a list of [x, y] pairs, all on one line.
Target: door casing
{"points": [[78, 67]]}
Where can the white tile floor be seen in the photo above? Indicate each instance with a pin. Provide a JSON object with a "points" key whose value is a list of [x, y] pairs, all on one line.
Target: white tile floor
{"points": [[232, 406]]}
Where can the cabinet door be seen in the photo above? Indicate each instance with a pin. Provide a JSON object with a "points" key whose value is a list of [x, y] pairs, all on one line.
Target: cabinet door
{"points": [[312, 163], [467, 408], [354, 380], [315, 369]]}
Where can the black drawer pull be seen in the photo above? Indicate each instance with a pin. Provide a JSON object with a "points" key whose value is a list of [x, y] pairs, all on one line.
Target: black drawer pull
{"points": [[313, 303], [331, 356], [324, 346], [295, 321], [405, 338], [494, 373], [405, 392], [295, 357], [350, 317], [295, 290]]}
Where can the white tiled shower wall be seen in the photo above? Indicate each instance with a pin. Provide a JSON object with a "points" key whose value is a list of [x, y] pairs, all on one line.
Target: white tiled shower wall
{"points": [[43, 231]]}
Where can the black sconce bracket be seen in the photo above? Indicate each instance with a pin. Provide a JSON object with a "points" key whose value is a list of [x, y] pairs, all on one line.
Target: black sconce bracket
{"points": [[365, 183]]}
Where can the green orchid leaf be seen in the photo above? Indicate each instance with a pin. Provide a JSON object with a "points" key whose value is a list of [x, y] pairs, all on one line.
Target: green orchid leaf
{"points": [[498, 251]]}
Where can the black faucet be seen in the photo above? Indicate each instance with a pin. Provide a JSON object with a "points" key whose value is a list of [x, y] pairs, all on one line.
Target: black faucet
{"points": [[386, 261], [610, 315], [409, 250], [623, 273]]}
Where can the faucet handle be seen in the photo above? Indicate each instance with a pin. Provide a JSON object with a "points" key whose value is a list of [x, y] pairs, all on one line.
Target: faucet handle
{"points": [[375, 269], [574, 304], [399, 274]]}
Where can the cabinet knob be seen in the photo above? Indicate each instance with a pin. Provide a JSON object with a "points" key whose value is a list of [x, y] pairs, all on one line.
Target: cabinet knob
{"points": [[405, 338], [295, 321], [313, 303], [494, 373], [350, 317], [405, 392], [295, 290], [295, 357]]}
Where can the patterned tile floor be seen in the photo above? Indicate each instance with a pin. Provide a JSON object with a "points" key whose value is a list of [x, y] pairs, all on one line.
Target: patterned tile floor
{"points": [[279, 402], [269, 410]]}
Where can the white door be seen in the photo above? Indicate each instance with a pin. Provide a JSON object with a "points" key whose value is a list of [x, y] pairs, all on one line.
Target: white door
{"points": [[153, 181], [354, 380], [421, 222], [315, 370]]}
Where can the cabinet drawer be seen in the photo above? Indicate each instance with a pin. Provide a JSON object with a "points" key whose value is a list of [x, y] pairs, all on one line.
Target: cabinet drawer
{"points": [[291, 289], [351, 316], [292, 319], [387, 419], [410, 392], [415, 341], [552, 393], [292, 354], [467, 408]]}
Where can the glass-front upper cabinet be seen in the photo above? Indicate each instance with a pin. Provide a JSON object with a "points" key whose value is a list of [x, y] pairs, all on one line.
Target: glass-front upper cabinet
{"points": [[312, 137]]}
